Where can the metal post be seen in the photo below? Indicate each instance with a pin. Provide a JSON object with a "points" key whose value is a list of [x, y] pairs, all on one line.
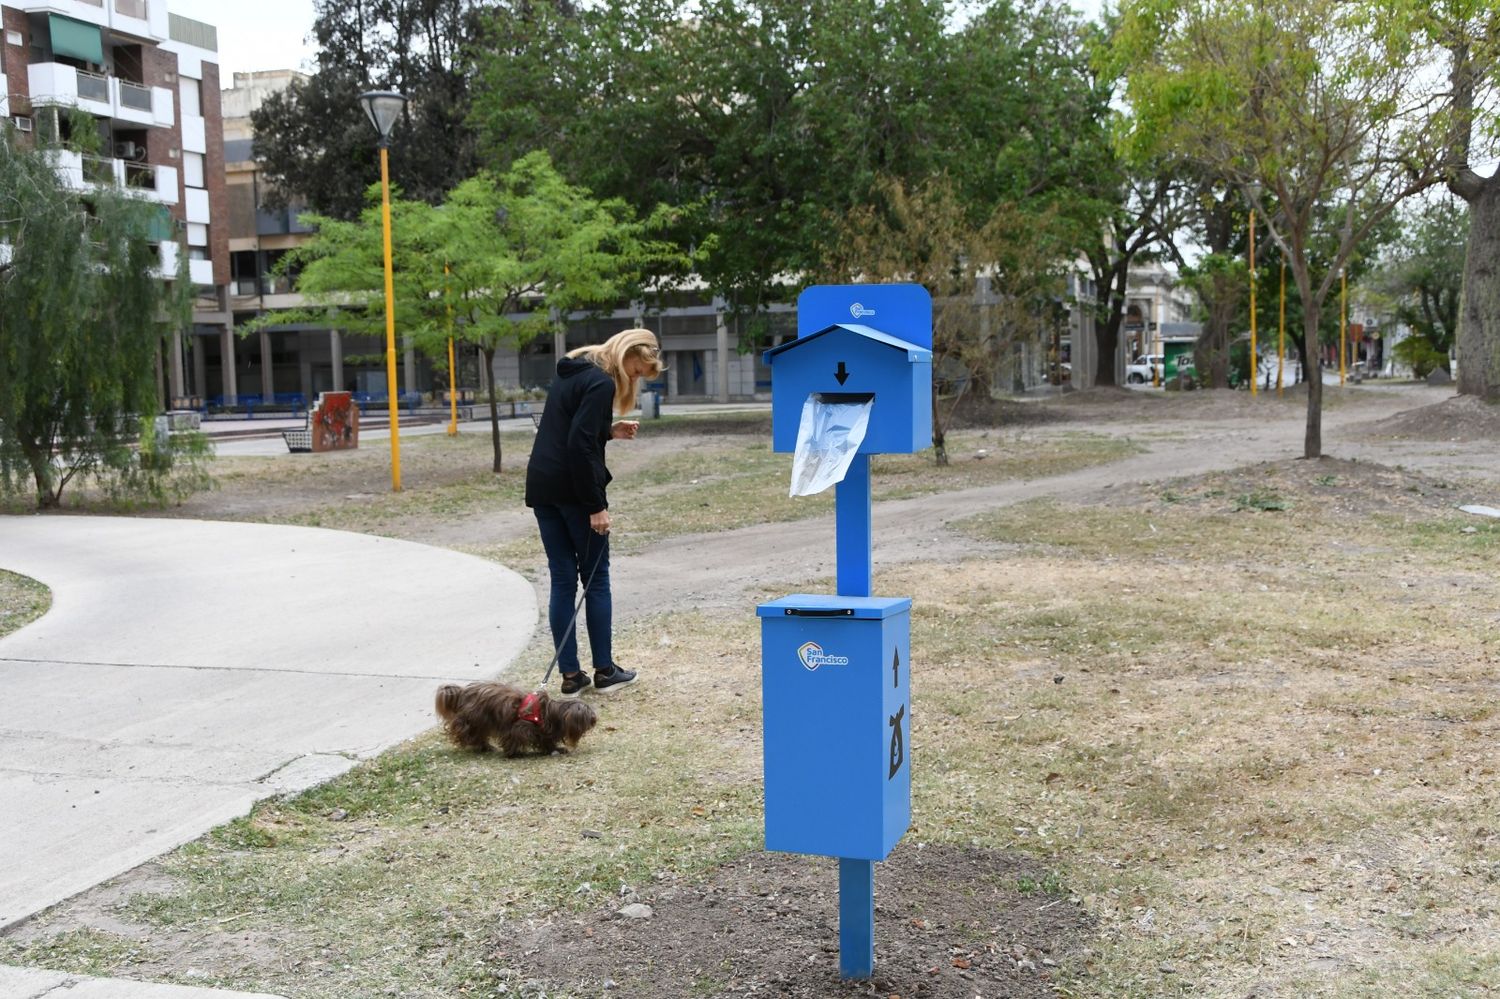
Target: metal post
{"points": [[452, 370], [390, 318], [856, 918], [1281, 331], [1343, 341], [721, 351], [852, 527]]}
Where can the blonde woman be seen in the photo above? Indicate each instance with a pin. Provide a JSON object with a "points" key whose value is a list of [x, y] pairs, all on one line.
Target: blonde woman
{"points": [[565, 487]]}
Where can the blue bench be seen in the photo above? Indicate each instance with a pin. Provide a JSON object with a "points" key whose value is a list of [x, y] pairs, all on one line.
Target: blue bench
{"points": [[295, 401]]}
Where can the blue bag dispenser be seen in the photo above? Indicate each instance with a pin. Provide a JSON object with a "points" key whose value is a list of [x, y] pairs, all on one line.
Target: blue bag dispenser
{"points": [[835, 677], [859, 340]]}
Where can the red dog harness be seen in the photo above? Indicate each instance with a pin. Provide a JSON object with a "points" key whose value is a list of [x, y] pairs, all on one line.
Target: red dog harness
{"points": [[531, 709]]}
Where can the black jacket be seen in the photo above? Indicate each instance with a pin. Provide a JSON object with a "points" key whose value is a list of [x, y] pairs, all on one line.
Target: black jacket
{"points": [[567, 459]]}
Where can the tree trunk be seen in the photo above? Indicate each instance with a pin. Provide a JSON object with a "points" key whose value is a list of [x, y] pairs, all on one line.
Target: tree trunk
{"points": [[939, 437], [1478, 340], [1111, 298], [489, 379], [1312, 443]]}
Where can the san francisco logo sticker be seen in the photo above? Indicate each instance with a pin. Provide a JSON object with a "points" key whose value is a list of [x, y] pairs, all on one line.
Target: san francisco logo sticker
{"points": [[813, 656]]}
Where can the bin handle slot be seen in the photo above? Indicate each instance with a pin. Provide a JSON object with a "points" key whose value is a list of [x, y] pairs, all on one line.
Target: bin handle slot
{"points": [[843, 398], [820, 612]]}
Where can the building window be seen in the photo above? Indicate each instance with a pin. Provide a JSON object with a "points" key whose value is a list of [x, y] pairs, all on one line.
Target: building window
{"points": [[192, 97], [192, 168]]}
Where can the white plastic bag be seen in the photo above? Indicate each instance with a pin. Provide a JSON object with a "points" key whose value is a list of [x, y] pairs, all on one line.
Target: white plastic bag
{"points": [[827, 440]]}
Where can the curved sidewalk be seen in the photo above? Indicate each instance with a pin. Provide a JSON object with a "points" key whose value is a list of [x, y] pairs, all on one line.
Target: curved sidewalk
{"points": [[188, 669]]}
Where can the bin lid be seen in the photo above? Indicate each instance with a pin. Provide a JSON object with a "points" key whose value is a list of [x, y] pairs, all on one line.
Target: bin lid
{"points": [[826, 605]]}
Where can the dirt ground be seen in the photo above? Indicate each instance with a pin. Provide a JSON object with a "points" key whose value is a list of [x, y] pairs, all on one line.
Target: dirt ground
{"points": [[950, 923]]}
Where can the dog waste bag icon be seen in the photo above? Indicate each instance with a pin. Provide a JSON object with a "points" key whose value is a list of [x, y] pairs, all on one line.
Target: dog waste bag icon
{"points": [[898, 755]]}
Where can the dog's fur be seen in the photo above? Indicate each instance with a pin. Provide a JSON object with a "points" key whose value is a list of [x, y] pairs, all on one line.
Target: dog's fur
{"points": [[483, 716]]}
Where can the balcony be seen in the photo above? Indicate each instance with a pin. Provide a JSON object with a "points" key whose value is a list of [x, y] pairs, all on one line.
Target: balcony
{"points": [[144, 180], [105, 96], [152, 182], [57, 83], [170, 253], [88, 11]]}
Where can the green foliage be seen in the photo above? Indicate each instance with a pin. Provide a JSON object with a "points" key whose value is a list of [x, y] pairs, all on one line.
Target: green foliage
{"points": [[493, 266], [764, 119], [1266, 500], [1318, 112], [926, 236], [1421, 280], [82, 318], [1418, 353], [314, 141]]}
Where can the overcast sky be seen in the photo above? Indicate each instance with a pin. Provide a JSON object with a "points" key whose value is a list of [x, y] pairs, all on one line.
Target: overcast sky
{"points": [[262, 34]]}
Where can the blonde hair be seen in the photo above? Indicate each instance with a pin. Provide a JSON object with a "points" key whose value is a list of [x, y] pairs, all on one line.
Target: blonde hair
{"points": [[611, 354]]}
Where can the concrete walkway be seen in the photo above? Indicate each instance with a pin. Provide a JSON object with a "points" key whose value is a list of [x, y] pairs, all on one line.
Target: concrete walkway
{"points": [[188, 669]]}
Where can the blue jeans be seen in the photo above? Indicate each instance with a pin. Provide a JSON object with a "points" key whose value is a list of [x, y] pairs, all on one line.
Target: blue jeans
{"points": [[572, 548]]}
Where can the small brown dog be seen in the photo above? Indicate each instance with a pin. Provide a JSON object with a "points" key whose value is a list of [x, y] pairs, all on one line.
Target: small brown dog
{"points": [[489, 714]]}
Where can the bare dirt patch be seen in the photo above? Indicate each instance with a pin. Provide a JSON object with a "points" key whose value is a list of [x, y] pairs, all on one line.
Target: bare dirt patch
{"points": [[1461, 418], [951, 922]]}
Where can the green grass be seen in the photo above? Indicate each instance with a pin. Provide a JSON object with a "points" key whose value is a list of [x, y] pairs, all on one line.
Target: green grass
{"points": [[22, 600]]}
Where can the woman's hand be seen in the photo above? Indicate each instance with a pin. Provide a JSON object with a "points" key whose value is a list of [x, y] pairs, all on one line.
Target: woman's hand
{"points": [[599, 522], [624, 430]]}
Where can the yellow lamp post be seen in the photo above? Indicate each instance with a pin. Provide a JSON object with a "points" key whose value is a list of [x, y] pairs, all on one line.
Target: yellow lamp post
{"points": [[452, 374], [383, 108], [1281, 331]]}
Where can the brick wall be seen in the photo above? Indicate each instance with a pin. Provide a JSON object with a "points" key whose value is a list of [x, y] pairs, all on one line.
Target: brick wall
{"points": [[213, 175], [164, 145], [16, 59]]}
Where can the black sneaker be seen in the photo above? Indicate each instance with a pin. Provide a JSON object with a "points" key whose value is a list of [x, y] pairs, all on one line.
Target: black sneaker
{"points": [[612, 679], [575, 683]]}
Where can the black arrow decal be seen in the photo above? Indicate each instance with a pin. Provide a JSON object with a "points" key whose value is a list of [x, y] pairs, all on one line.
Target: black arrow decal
{"points": [[842, 374]]}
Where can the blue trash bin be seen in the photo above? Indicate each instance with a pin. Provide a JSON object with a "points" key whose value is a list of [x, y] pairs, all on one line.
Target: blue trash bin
{"points": [[836, 690]]}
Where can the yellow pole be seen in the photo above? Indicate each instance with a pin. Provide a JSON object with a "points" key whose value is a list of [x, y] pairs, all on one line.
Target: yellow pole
{"points": [[1343, 339], [1254, 367], [1281, 335], [452, 377], [390, 320]]}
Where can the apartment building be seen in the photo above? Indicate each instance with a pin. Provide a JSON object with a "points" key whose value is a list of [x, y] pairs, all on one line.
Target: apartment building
{"points": [[149, 80]]}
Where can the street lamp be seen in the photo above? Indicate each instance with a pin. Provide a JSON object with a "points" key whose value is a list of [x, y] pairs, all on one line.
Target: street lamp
{"points": [[383, 107]]}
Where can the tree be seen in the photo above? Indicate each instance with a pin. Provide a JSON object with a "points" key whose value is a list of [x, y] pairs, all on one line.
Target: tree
{"points": [[1317, 109], [1469, 32], [314, 142], [83, 313], [1422, 279], [526, 248], [991, 284], [763, 119], [496, 265]]}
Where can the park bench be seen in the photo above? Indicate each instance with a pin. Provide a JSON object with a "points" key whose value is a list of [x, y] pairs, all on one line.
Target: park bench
{"points": [[294, 401]]}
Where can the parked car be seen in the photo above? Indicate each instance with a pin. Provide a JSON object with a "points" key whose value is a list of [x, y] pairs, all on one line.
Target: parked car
{"points": [[1146, 368]]}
